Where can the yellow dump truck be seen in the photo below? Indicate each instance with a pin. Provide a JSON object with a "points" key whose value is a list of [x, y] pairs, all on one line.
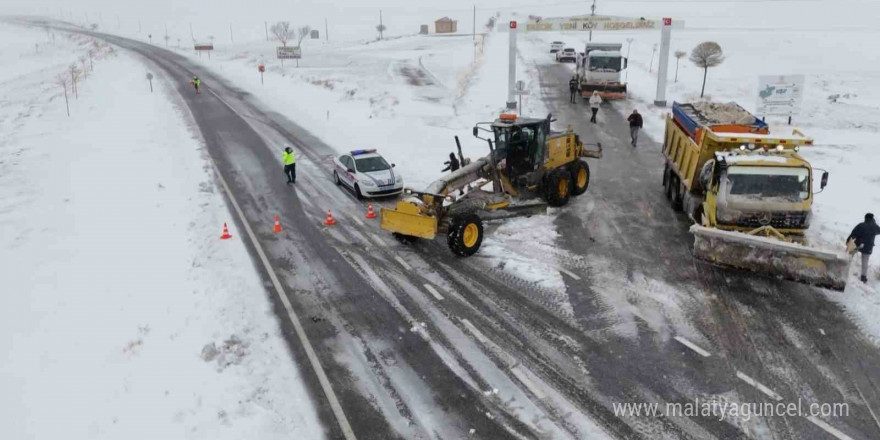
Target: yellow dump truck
{"points": [[748, 192], [528, 167]]}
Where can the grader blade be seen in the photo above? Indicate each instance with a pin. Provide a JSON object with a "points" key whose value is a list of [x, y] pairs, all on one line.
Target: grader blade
{"points": [[772, 257]]}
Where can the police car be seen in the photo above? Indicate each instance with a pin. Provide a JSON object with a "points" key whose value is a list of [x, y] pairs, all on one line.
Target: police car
{"points": [[367, 174]]}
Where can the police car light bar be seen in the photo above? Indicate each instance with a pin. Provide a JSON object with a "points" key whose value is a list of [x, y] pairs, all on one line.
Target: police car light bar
{"points": [[357, 152]]}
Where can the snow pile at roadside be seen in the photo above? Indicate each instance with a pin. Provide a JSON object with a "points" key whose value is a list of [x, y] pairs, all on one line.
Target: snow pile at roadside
{"points": [[123, 314]]}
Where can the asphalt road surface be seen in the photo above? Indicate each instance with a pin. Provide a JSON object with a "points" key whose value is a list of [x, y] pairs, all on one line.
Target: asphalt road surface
{"points": [[416, 343]]}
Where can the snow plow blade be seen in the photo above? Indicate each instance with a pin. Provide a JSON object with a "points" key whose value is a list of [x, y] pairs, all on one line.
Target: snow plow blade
{"points": [[791, 261], [606, 91]]}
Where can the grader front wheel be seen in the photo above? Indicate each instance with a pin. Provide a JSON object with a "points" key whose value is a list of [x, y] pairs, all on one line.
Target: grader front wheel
{"points": [[580, 177], [465, 235], [558, 187]]}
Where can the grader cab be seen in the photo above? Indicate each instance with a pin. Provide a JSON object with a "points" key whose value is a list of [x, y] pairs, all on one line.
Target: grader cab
{"points": [[527, 162]]}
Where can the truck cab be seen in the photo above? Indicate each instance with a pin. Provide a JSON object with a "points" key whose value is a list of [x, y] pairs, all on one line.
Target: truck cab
{"points": [[599, 70]]}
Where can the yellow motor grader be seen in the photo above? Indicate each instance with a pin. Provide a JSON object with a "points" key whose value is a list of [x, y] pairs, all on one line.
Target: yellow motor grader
{"points": [[529, 167]]}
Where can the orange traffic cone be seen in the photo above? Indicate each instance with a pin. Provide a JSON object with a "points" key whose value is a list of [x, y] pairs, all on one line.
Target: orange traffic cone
{"points": [[277, 228], [370, 213], [329, 221], [226, 234]]}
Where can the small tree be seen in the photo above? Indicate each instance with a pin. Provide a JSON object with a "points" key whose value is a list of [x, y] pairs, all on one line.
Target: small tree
{"points": [[302, 33], [91, 53], [705, 55], [166, 40], [64, 81], [679, 54], [381, 28], [75, 73], [84, 60], [93, 26], [282, 32]]}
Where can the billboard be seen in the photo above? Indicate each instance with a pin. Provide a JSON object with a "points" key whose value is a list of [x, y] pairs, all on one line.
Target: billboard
{"points": [[599, 23], [288, 52], [779, 95], [204, 46]]}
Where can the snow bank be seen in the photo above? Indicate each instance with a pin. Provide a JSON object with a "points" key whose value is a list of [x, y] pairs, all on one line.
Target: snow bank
{"points": [[123, 314]]}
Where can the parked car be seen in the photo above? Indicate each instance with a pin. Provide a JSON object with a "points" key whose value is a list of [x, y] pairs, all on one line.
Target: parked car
{"points": [[556, 46], [567, 54]]}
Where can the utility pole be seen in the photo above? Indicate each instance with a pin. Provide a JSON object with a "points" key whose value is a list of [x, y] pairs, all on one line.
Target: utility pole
{"points": [[191, 34], [474, 34], [231, 39], [266, 24], [380, 24], [166, 34], [326, 31], [592, 19], [139, 26]]}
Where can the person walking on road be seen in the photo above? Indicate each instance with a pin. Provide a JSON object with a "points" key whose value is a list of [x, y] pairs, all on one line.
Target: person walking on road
{"points": [[289, 159], [573, 87], [595, 100], [452, 164], [196, 82], [863, 239], [635, 124]]}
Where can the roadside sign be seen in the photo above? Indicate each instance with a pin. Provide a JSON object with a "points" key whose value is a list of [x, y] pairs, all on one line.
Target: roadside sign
{"points": [[513, 24], [780, 95], [149, 76], [261, 68], [204, 46], [667, 21], [288, 52]]}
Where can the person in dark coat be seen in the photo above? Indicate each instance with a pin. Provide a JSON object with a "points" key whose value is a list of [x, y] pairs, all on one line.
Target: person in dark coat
{"points": [[573, 87], [863, 237], [635, 124], [451, 164]]}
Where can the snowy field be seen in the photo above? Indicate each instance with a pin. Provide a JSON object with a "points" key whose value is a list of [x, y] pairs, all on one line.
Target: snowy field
{"points": [[123, 313]]}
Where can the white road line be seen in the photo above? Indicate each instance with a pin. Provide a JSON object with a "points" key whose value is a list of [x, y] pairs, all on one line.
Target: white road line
{"points": [[770, 393], [433, 291], [402, 263], [473, 329], [569, 273], [358, 221], [378, 240], [692, 346], [335, 406], [521, 375], [828, 428]]}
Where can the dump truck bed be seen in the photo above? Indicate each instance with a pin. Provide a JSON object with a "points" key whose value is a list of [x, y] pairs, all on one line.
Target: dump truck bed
{"points": [[717, 117]]}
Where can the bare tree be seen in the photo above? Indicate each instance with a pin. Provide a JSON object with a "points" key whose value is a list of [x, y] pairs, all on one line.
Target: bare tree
{"points": [[166, 40], [75, 73], [282, 32], [91, 53], [302, 33], [84, 60], [63, 81], [679, 54], [381, 28], [705, 55]]}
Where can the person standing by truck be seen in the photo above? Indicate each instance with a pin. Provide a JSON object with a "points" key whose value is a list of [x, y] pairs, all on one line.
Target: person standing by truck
{"points": [[572, 88], [635, 124], [863, 238], [595, 101]]}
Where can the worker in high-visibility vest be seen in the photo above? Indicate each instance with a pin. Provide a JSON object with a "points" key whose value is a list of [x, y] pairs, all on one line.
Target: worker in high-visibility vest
{"points": [[289, 160], [196, 82]]}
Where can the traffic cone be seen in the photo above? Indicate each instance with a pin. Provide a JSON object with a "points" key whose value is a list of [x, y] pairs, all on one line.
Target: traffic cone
{"points": [[277, 228], [226, 234], [370, 213], [329, 221]]}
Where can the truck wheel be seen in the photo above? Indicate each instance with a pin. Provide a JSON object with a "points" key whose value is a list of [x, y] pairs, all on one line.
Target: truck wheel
{"points": [[670, 180], [580, 176], [557, 188], [465, 235], [675, 190], [665, 175]]}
